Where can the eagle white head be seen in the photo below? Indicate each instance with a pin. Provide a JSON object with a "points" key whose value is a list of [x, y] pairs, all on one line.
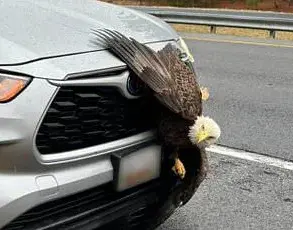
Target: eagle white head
{"points": [[204, 132]]}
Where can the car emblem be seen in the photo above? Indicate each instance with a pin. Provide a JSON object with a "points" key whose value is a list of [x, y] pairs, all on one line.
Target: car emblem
{"points": [[134, 85]]}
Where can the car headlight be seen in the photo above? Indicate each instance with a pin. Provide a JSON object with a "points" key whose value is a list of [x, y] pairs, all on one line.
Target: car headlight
{"points": [[186, 54], [11, 86]]}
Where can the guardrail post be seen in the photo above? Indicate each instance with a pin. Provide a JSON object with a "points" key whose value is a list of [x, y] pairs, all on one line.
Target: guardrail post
{"points": [[272, 34], [213, 29]]}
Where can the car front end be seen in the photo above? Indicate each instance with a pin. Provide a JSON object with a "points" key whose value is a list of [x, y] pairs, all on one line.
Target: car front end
{"points": [[73, 123]]}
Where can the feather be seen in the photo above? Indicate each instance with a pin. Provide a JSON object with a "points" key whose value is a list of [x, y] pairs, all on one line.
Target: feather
{"points": [[173, 83]]}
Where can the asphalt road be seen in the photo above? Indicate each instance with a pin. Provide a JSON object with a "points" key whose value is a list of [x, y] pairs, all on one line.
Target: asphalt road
{"points": [[238, 195], [251, 98]]}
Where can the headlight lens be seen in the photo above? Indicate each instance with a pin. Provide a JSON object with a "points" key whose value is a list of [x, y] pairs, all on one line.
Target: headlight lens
{"points": [[186, 55], [11, 86], [185, 50]]}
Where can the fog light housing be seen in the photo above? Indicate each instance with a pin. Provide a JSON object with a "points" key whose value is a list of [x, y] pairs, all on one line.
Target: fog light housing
{"points": [[11, 86]]}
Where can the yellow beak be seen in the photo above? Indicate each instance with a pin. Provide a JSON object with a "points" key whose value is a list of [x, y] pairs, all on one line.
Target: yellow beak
{"points": [[201, 136]]}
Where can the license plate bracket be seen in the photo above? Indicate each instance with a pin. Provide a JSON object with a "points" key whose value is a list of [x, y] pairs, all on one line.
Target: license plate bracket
{"points": [[133, 168]]}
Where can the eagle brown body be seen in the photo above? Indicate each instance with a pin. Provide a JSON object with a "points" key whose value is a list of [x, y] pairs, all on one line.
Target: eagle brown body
{"points": [[173, 130]]}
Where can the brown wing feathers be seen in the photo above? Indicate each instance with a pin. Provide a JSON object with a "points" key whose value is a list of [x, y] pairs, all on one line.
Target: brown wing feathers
{"points": [[172, 81], [137, 58]]}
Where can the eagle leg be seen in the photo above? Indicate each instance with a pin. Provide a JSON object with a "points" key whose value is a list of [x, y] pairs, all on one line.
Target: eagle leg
{"points": [[204, 93], [178, 167]]}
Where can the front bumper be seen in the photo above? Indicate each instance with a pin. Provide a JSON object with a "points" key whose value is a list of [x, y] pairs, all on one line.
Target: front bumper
{"points": [[99, 208], [142, 207]]}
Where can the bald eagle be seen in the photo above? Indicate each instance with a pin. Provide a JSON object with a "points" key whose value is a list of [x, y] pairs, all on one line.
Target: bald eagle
{"points": [[174, 85]]}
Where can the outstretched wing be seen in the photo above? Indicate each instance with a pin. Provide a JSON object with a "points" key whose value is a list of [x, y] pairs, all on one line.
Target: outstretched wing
{"points": [[173, 83]]}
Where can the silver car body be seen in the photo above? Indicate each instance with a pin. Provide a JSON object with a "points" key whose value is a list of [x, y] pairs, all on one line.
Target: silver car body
{"points": [[49, 40]]}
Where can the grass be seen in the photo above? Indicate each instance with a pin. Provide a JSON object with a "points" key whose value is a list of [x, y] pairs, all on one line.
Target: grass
{"points": [[284, 35], [232, 31], [243, 32], [190, 28]]}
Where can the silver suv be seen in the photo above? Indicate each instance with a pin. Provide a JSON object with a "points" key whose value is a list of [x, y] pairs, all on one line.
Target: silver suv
{"points": [[78, 148]]}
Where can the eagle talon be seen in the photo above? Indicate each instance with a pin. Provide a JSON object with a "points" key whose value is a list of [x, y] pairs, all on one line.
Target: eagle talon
{"points": [[204, 93], [179, 168]]}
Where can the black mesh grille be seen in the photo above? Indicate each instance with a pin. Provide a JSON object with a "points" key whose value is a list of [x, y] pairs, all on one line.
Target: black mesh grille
{"points": [[86, 116]]}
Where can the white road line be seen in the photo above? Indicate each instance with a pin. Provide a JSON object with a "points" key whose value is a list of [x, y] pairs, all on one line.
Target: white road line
{"points": [[249, 156]]}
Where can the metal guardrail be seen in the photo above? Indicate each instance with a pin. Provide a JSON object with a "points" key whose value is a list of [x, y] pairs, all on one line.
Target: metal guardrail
{"points": [[265, 21]]}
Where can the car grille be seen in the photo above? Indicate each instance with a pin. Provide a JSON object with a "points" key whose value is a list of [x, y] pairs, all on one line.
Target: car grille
{"points": [[97, 208], [82, 117]]}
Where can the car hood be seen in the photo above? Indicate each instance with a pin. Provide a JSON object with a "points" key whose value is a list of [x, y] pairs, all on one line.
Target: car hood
{"points": [[32, 30], [85, 65]]}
